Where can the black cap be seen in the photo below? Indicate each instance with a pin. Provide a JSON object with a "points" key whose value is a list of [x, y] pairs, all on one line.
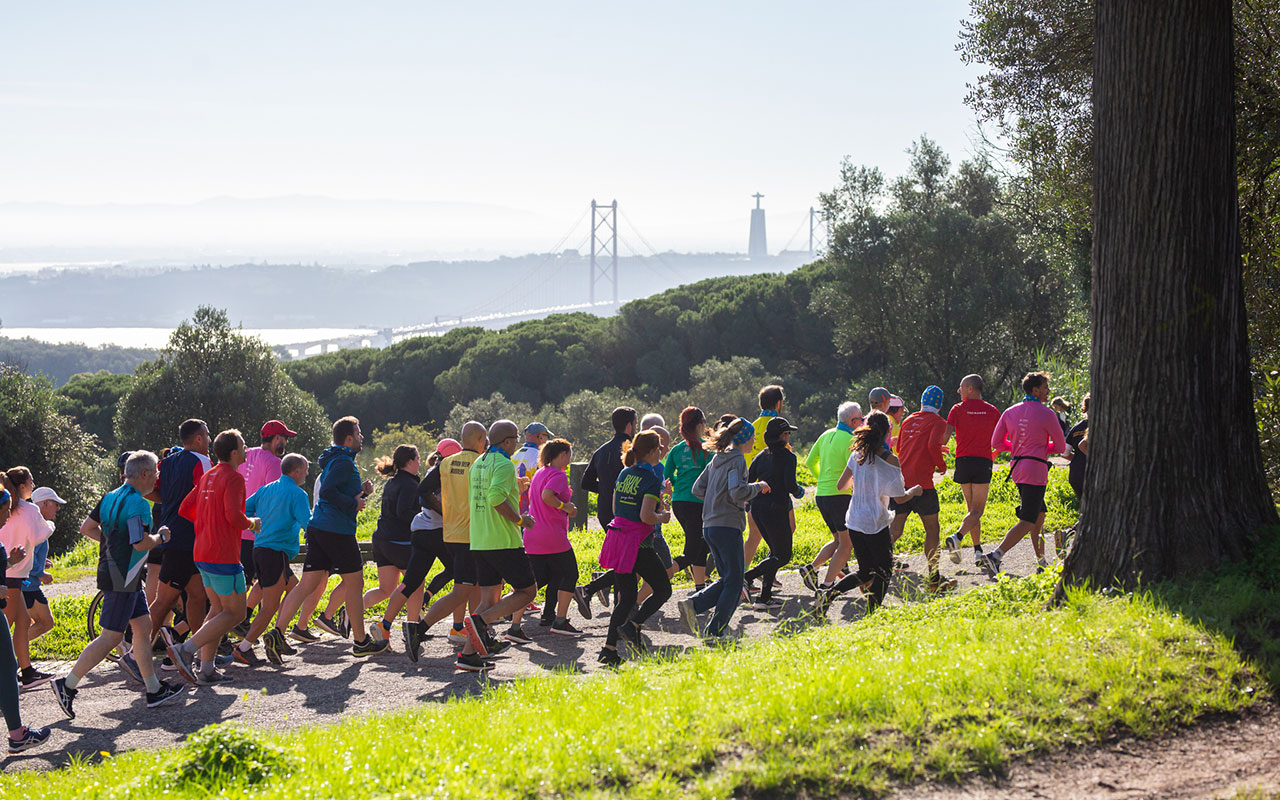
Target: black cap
{"points": [[120, 462], [776, 427]]}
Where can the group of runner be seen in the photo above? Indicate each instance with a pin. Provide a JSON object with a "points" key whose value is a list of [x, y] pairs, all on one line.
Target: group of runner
{"points": [[193, 555]]}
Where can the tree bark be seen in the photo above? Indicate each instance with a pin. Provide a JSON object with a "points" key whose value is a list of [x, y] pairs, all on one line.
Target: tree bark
{"points": [[1176, 483]]}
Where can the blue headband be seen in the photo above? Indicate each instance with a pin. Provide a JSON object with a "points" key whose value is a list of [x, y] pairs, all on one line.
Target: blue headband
{"points": [[744, 435]]}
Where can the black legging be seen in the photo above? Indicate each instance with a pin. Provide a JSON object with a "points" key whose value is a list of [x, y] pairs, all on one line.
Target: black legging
{"points": [[689, 515], [649, 567], [425, 547], [556, 571], [775, 528], [9, 668], [874, 552]]}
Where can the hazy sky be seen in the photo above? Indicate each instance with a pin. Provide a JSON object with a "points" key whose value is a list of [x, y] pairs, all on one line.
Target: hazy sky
{"points": [[679, 110]]}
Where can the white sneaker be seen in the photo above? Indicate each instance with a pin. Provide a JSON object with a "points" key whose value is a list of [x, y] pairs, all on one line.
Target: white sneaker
{"points": [[953, 547]]}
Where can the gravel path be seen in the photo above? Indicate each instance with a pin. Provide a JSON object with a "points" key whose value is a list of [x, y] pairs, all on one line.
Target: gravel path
{"points": [[325, 681]]}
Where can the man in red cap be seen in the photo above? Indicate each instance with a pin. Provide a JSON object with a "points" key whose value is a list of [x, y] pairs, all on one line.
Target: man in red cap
{"points": [[261, 467]]}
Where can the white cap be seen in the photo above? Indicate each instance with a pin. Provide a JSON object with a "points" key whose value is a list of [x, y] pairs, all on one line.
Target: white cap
{"points": [[45, 493]]}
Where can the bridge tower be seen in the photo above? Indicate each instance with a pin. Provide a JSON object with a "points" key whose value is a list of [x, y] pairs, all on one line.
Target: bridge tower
{"points": [[604, 243]]}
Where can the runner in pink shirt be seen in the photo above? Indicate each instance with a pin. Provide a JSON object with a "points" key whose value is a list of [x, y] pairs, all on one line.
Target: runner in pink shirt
{"points": [[1030, 431], [261, 467]]}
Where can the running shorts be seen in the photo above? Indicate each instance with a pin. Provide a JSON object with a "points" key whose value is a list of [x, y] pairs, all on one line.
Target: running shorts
{"points": [[332, 552], [223, 584], [464, 563], [271, 565], [834, 508], [556, 571], [972, 469], [1032, 502], [118, 608], [178, 568], [509, 564], [155, 556], [246, 561], [34, 596], [925, 505], [391, 554]]}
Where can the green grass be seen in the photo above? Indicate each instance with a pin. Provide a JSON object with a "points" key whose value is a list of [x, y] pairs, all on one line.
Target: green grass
{"points": [[946, 689], [78, 562]]}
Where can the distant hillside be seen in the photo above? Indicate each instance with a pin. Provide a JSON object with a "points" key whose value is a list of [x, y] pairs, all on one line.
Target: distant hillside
{"points": [[285, 296], [60, 361]]}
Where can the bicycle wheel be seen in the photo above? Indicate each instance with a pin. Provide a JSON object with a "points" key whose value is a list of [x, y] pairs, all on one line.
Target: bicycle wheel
{"points": [[92, 628]]}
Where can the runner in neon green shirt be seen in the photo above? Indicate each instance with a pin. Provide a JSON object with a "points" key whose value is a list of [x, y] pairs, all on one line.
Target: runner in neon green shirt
{"points": [[827, 461]]}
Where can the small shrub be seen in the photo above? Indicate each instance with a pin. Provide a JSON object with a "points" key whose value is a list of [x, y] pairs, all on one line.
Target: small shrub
{"points": [[224, 753]]}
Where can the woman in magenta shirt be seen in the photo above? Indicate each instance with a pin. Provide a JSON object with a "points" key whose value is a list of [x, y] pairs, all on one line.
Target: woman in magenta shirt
{"points": [[547, 542]]}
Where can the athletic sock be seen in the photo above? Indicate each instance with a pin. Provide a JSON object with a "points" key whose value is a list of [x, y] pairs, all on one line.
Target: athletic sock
{"points": [[245, 646], [562, 619], [206, 667], [153, 683], [72, 680], [386, 623], [459, 627]]}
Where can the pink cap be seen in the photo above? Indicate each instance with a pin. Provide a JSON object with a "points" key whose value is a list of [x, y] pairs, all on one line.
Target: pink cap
{"points": [[896, 402], [448, 447]]}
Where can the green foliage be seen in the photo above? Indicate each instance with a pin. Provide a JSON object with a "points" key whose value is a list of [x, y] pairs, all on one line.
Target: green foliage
{"points": [[383, 442], [223, 754], [213, 372], [34, 434], [847, 710], [59, 362], [70, 632], [939, 285], [91, 398], [1267, 407]]}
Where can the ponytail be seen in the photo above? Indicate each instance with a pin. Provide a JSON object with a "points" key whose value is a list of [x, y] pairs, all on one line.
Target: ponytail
{"points": [[387, 467], [639, 448], [868, 441]]}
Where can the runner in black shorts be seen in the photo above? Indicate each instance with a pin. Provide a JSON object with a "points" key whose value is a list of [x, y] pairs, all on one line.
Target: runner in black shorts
{"points": [[393, 538], [179, 578], [971, 422], [827, 459]]}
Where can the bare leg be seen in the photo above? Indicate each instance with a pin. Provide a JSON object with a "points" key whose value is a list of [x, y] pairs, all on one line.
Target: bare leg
{"points": [[307, 591], [41, 621], [753, 542], [388, 579], [838, 561], [931, 531]]}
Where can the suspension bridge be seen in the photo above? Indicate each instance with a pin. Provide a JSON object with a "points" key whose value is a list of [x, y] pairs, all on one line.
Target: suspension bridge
{"points": [[551, 282]]}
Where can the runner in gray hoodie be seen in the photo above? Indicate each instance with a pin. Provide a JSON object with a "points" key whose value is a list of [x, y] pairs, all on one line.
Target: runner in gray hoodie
{"points": [[725, 492]]}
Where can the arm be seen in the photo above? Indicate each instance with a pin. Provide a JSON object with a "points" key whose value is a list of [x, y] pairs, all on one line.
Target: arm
{"points": [[914, 491], [429, 490], [789, 477], [1057, 439], [940, 450], [700, 485], [251, 505], [188, 508], [999, 437], [498, 494], [845, 482], [649, 513], [740, 491], [139, 537], [331, 494], [91, 530], [591, 477], [406, 505], [233, 506], [811, 461]]}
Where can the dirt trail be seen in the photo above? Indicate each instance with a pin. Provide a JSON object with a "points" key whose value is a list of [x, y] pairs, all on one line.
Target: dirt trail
{"points": [[1220, 758]]}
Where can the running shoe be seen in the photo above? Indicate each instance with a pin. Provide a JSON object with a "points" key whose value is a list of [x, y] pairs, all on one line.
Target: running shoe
{"points": [[499, 646], [629, 632], [767, 604], [304, 635], [826, 594], [546, 622], [247, 657], [380, 631], [533, 608], [977, 553], [458, 636], [479, 630], [809, 577], [31, 737], [938, 584], [516, 635], [167, 665], [602, 594], [167, 691], [283, 645], [221, 660], [343, 622], [214, 678], [271, 645], [688, 615], [369, 647], [413, 637], [584, 602], [564, 628], [31, 677], [900, 565], [471, 662], [609, 657], [329, 626], [241, 630], [182, 662], [953, 547], [66, 697], [129, 666], [1042, 564], [990, 562], [748, 597]]}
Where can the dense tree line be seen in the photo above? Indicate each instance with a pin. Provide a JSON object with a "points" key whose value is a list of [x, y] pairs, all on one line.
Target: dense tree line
{"points": [[59, 362]]}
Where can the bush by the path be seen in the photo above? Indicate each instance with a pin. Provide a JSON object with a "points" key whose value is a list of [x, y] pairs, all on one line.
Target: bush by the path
{"points": [[938, 690]]}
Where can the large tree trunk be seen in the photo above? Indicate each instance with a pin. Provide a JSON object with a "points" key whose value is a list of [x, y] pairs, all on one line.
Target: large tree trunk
{"points": [[1176, 483]]}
